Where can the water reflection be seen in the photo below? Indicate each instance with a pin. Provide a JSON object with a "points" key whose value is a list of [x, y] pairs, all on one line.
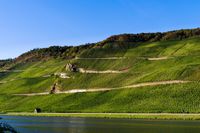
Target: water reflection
{"points": [[91, 125]]}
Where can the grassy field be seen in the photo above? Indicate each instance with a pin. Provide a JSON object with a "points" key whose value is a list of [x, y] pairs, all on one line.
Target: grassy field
{"points": [[183, 63], [159, 116], [161, 99]]}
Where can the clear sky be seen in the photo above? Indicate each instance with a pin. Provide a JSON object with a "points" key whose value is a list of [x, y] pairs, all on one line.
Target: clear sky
{"points": [[28, 24]]}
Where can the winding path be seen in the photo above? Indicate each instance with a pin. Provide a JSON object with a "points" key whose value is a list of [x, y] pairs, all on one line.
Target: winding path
{"points": [[158, 58], [120, 58], [109, 89], [106, 58], [16, 71], [3, 82], [82, 70]]}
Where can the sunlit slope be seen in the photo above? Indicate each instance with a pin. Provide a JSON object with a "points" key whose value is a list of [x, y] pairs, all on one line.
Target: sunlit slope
{"points": [[30, 77], [181, 63], [166, 98], [140, 63]]}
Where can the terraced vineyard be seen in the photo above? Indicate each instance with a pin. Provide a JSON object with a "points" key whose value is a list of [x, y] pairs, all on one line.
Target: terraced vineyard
{"points": [[157, 76]]}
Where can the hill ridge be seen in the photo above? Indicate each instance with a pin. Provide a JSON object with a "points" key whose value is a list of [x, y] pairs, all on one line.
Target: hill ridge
{"points": [[166, 74]]}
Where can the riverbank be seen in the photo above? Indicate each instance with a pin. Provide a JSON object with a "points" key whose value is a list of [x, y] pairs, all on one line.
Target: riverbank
{"points": [[160, 116]]}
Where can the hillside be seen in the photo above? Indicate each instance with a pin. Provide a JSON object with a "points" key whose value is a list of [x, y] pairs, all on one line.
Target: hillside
{"points": [[148, 72]]}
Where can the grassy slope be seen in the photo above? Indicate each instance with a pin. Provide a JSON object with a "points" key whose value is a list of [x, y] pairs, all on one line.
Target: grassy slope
{"points": [[184, 65]]}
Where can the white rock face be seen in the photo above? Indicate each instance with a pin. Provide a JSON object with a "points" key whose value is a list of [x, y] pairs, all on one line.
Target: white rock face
{"points": [[62, 75]]}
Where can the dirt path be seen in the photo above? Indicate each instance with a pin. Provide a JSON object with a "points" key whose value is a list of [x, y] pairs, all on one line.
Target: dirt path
{"points": [[6, 81], [16, 71], [33, 94], [82, 70], [159, 58], [3, 82], [120, 58], [109, 89], [157, 83], [107, 58]]}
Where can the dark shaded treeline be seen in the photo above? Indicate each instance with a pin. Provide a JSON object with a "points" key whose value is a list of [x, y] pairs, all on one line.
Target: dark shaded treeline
{"points": [[68, 52], [153, 37], [5, 62]]}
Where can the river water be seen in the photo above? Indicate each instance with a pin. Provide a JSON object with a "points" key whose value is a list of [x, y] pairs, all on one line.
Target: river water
{"points": [[25, 124]]}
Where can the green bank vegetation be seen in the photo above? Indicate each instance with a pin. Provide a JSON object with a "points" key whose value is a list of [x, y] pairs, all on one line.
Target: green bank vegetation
{"points": [[163, 116]]}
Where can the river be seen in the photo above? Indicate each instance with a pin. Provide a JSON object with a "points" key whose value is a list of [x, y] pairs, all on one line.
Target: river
{"points": [[24, 124]]}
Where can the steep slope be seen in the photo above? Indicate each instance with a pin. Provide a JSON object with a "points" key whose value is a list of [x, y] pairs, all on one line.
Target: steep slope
{"points": [[154, 72]]}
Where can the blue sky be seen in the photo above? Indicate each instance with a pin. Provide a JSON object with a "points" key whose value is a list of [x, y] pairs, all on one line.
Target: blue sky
{"points": [[28, 24]]}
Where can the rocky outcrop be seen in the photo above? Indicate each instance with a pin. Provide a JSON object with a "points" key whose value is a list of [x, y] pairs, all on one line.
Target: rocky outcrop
{"points": [[71, 67], [54, 89]]}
